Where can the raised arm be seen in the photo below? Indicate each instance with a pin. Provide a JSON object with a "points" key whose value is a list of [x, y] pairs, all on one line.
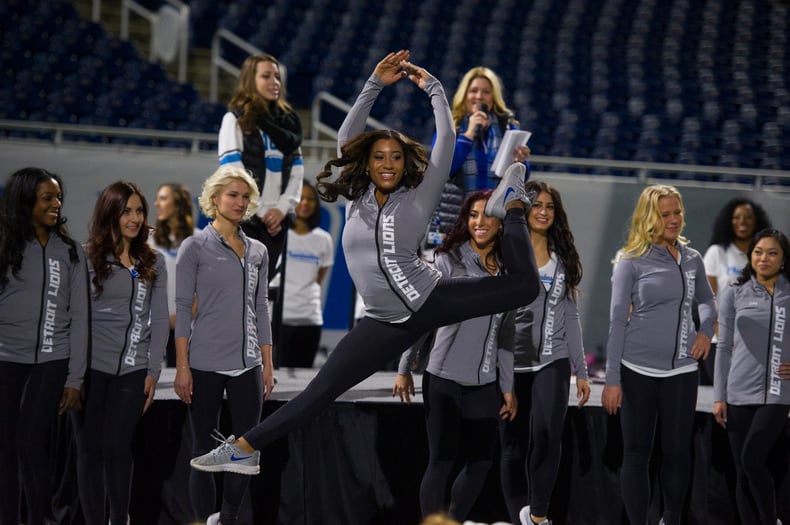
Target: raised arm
{"points": [[388, 71]]}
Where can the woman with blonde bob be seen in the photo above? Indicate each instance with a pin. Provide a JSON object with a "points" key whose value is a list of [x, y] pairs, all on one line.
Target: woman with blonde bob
{"points": [[653, 348], [214, 358]]}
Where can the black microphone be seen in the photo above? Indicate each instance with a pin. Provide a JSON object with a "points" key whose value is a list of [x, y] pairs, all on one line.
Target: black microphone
{"points": [[479, 127]]}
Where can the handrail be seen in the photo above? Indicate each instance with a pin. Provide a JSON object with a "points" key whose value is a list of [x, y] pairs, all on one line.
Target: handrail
{"points": [[321, 150], [218, 62], [152, 17], [317, 126]]}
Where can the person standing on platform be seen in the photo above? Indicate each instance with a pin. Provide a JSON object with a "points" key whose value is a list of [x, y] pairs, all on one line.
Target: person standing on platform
{"points": [[481, 118], [733, 231], [43, 336], [394, 188], [653, 348], [468, 382], [548, 338], [226, 350], [310, 255], [128, 338], [174, 223], [751, 392], [262, 134]]}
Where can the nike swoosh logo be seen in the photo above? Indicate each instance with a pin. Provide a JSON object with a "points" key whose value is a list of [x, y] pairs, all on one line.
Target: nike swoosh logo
{"points": [[234, 458], [508, 192]]}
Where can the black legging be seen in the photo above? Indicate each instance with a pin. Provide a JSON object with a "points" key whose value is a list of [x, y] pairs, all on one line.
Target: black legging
{"points": [[532, 442], [29, 396], [372, 344], [646, 400], [104, 431], [298, 345], [754, 431], [244, 401], [461, 422]]}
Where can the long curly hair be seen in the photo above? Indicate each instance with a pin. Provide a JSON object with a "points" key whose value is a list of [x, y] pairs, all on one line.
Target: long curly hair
{"points": [[781, 238], [459, 231], [16, 225], [185, 222], [246, 101], [722, 224], [560, 236], [104, 235], [459, 98], [353, 163], [646, 223]]}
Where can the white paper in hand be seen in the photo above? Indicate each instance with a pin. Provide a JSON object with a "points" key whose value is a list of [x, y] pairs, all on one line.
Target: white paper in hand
{"points": [[513, 138]]}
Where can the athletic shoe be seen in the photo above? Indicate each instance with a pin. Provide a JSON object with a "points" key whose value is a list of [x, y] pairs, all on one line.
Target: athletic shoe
{"points": [[213, 519], [227, 457], [510, 188], [526, 519]]}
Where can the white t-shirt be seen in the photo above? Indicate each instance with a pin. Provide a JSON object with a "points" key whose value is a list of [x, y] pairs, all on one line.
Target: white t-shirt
{"points": [[307, 254], [725, 264]]}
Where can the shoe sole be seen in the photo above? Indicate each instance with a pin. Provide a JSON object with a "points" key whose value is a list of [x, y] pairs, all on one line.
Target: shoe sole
{"points": [[228, 467]]}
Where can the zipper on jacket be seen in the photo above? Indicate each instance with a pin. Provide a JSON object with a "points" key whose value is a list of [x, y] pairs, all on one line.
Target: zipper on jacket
{"points": [[768, 352], [129, 325], [41, 304], [243, 295], [680, 310]]}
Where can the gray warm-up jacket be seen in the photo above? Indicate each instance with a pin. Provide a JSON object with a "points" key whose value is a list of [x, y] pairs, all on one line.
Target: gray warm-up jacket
{"points": [[549, 329], [752, 343], [659, 331], [44, 312], [475, 351], [129, 321], [232, 320], [381, 244]]}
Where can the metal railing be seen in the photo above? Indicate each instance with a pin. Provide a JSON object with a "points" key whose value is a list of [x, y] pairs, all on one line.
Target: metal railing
{"points": [[317, 126], [130, 6], [320, 151]]}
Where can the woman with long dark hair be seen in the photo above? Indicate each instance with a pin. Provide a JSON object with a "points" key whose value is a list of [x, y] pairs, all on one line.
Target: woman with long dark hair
{"points": [[43, 336], [129, 325], [468, 381], [751, 391], [548, 341]]}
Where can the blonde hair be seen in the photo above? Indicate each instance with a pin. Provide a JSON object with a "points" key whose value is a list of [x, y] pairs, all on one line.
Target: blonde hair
{"points": [[221, 178], [646, 222], [459, 98]]}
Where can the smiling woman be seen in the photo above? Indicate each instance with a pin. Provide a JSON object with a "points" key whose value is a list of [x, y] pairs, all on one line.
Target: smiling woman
{"points": [[128, 283], [393, 189], [42, 291], [653, 349]]}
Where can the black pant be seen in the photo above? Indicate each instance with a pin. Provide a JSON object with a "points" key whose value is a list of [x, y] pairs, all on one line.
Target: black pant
{"points": [[245, 402], [461, 422], [754, 431], [646, 401], [532, 442], [371, 343], [298, 345], [29, 396], [105, 428]]}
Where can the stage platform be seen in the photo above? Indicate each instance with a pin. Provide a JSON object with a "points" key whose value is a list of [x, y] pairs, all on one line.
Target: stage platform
{"points": [[361, 461]]}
